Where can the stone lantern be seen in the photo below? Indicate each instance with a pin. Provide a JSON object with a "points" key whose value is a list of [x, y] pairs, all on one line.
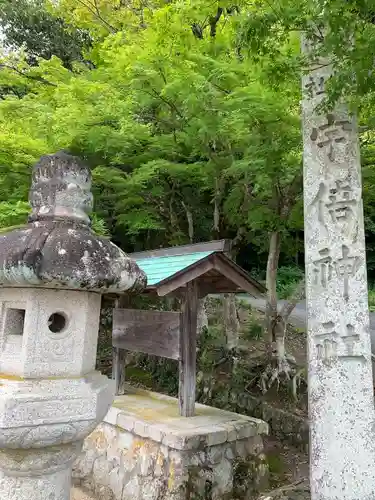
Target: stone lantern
{"points": [[53, 272]]}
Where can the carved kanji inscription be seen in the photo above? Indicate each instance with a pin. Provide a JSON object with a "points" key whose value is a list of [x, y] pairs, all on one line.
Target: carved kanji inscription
{"points": [[315, 86], [338, 206], [328, 135], [340, 381], [332, 345], [341, 202], [325, 268], [346, 267]]}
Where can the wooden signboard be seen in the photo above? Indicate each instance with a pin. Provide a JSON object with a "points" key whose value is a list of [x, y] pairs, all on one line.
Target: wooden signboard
{"points": [[151, 332], [166, 334]]}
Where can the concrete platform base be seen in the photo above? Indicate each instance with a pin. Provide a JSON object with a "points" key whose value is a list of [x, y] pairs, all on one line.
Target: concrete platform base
{"points": [[145, 451]]}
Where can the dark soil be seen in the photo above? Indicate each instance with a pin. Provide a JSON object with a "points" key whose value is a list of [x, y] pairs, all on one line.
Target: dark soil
{"points": [[289, 472]]}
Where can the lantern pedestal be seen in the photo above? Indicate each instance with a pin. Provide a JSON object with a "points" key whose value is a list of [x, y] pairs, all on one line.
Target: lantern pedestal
{"points": [[43, 424], [43, 474]]}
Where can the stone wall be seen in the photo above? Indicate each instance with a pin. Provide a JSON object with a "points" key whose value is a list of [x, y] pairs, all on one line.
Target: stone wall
{"points": [[283, 424], [129, 458]]}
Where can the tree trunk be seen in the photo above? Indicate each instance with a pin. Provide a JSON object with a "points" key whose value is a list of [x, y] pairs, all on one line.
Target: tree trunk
{"points": [[271, 276], [231, 323], [190, 221], [275, 325], [276, 322], [216, 227], [296, 256], [202, 320]]}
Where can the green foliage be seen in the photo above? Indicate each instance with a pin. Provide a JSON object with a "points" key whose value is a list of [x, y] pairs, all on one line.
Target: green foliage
{"points": [[287, 279], [164, 373], [271, 33], [212, 348], [99, 226], [368, 180], [29, 25], [275, 463], [185, 141], [13, 214], [371, 299], [254, 330], [188, 114]]}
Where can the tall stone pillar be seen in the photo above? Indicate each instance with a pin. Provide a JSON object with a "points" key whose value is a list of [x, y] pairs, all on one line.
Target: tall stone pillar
{"points": [[53, 272], [341, 402]]}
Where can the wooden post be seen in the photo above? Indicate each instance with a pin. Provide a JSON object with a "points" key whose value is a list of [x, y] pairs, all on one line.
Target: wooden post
{"points": [[188, 343], [119, 355], [118, 370]]}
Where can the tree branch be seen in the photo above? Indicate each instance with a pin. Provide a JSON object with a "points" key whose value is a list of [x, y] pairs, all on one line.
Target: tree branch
{"points": [[216, 225], [220, 88], [190, 220], [96, 12], [213, 21], [39, 79], [172, 105], [238, 238], [291, 193], [298, 294]]}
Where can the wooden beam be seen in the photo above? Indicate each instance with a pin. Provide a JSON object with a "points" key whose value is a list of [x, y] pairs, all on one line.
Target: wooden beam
{"points": [[188, 342], [209, 246], [203, 290], [118, 370], [237, 275], [236, 278], [183, 277], [218, 284], [150, 332]]}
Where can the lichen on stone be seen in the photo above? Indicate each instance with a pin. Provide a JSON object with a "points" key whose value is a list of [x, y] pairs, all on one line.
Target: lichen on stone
{"points": [[57, 248]]}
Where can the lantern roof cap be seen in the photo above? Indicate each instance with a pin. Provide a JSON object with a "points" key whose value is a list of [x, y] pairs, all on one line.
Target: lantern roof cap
{"points": [[57, 248]]}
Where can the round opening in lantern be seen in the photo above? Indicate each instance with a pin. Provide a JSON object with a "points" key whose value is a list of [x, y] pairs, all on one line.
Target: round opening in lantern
{"points": [[57, 322]]}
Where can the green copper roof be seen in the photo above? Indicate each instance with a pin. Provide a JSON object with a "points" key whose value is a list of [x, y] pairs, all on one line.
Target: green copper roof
{"points": [[158, 269]]}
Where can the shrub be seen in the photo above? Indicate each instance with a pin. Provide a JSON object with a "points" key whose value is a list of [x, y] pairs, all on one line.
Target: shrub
{"points": [[371, 299], [287, 279]]}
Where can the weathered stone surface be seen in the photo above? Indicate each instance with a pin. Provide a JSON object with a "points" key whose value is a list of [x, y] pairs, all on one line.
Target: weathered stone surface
{"points": [[57, 249], [44, 413], [156, 416], [283, 424], [40, 474], [78, 494], [341, 402], [150, 469], [38, 352], [223, 478]]}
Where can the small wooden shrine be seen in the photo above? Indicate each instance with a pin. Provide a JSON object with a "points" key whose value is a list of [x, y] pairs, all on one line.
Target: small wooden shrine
{"points": [[188, 272]]}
